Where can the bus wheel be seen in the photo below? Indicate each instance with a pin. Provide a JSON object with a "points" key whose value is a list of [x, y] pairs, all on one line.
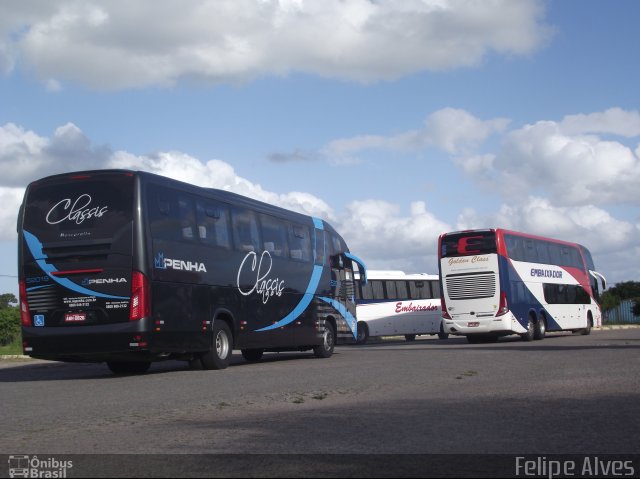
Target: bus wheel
{"points": [[363, 333], [442, 334], [528, 336], [540, 329], [219, 355], [410, 337], [586, 331], [325, 350], [252, 355], [128, 367]]}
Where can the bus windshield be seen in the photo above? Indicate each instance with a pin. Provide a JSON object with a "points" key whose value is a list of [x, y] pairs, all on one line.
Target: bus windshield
{"points": [[468, 243]]}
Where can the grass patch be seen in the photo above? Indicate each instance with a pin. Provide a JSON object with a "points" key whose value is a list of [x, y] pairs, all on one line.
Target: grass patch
{"points": [[14, 348]]}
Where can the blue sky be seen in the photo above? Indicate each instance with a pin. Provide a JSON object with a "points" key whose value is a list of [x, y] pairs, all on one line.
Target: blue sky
{"points": [[395, 121]]}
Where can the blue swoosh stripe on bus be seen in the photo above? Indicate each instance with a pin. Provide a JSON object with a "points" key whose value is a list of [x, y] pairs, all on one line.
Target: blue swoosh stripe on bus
{"points": [[35, 246], [304, 302], [317, 222], [346, 314]]}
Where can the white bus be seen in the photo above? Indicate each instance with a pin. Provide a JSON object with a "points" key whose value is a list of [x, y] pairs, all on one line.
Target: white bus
{"points": [[393, 303]]}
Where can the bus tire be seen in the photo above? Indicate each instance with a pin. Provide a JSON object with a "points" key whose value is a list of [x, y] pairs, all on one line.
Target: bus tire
{"points": [[252, 355], [442, 334], [128, 367], [363, 333], [325, 350], [528, 336], [540, 329], [410, 337], [587, 331], [219, 355]]}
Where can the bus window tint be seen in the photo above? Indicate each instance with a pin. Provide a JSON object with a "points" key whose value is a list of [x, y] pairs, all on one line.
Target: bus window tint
{"points": [[435, 288], [187, 218], [213, 224], [299, 242], [391, 290], [467, 244], [274, 235], [164, 219], [419, 290], [245, 230], [378, 291], [401, 290], [320, 247]]}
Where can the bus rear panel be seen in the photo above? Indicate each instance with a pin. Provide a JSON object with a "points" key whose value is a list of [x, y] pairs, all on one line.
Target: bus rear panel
{"points": [[77, 273]]}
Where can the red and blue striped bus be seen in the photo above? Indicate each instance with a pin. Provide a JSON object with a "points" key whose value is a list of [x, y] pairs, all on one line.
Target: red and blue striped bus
{"points": [[497, 282]]}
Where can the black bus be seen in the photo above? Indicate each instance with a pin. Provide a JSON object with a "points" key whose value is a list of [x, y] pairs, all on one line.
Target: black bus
{"points": [[128, 267]]}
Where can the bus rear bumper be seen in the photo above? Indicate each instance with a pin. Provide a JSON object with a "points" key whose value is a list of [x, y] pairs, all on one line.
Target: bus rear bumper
{"points": [[94, 343], [467, 324]]}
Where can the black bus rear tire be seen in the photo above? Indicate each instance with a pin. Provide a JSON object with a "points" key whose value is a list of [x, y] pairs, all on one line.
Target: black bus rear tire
{"points": [[219, 355]]}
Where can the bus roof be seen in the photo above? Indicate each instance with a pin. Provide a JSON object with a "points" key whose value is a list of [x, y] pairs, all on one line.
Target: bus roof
{"points": [[399, 275], [502, 231]]}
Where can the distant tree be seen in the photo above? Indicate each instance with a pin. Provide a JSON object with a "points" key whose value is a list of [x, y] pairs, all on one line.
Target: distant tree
{"points": [[9, 325], [613, 296], [7, 300], [609, 301], [9, 319]]}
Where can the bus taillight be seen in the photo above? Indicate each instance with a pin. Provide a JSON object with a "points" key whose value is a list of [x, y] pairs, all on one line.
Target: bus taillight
{"points": [[25, 317], [140, 297], [443, 307], [504, 306]]}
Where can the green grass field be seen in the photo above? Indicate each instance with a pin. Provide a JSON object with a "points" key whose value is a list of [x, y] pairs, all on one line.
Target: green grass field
{"points": [[12, 349]]}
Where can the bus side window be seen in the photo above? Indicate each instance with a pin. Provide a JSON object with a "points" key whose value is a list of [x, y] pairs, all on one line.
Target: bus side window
{"points": [[367, 290], [390, 286], [245, 230], [378, 291], [543, 252], [401, 289], [435, 289], [163, 215], [320, 251], [187, 218], [299, 242], [530, 251], [274, 235], [213, 224]]}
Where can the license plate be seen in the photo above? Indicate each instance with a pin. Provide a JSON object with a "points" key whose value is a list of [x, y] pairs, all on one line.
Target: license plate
{"points": [[75, 317], [473, 324]]}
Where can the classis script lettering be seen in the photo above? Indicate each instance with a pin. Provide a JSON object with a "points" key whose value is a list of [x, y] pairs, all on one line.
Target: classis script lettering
{"points": [[76, 211]]}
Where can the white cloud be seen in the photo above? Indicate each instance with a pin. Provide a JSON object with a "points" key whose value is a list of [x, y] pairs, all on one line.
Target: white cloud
{"points": [[220, 175], [238, 40], [615, 121], [25, 156], [381, 233], [566, 161], [452, 130], [385, 238]]}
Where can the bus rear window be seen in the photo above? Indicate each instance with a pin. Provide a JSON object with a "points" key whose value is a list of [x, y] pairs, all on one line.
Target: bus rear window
{"points": [[468, 244], [68, 209]]}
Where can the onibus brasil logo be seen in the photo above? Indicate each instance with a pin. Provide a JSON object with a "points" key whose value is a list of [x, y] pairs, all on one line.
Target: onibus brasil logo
{"points": [[34, 466]]}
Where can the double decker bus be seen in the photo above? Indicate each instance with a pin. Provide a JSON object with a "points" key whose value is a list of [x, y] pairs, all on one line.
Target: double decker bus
{"points": [[127, 267], [497, 282], [393, 303]]}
